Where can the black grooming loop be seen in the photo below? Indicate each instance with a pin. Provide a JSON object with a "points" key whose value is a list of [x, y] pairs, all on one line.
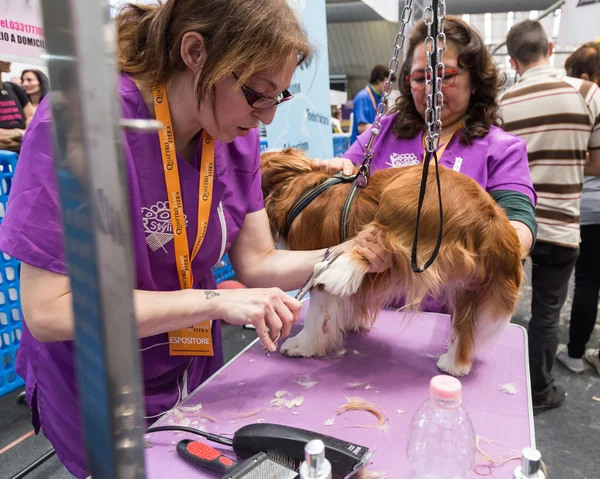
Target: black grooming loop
{"points": [[436, 44], [309, 195]]}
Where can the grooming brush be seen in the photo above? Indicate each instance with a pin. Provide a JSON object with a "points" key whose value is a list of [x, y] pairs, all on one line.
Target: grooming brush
{"points": [[258, 466]]}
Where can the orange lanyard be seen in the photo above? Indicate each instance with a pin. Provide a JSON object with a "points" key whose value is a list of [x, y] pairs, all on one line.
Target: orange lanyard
{"points": [[183, 258], [372, 97]]}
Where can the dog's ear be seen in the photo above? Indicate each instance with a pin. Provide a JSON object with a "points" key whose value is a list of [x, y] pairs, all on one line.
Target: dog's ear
{"points": [[278, 167]]}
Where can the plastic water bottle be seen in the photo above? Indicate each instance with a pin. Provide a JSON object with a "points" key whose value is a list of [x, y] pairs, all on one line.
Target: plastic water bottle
{"points": [[441, 441]]}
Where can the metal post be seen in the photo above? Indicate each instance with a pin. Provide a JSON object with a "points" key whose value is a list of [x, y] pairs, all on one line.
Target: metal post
{"points": [[92, 180]]}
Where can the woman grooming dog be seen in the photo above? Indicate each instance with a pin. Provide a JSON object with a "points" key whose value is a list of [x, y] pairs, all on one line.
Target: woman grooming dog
{"points": [[210, 70]]}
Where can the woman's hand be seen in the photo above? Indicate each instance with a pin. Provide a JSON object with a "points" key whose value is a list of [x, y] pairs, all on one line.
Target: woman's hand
{"points": [[367, 245], [271, 311], [332, 166]]}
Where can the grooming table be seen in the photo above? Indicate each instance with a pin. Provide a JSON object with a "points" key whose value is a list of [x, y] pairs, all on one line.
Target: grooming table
{"points": [[394, 363]]}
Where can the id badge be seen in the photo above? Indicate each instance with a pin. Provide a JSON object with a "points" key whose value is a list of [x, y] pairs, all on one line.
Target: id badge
{"points": [[194, 341]]}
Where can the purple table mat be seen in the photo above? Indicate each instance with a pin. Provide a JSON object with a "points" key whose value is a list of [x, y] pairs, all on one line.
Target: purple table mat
{"points": [[394, 363]]}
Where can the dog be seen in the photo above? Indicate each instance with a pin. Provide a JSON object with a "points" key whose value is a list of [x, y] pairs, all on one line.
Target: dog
{"points": [[476, 275]]}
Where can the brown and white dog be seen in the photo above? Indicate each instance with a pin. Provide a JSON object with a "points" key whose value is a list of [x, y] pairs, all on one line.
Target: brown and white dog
{"points": [[477, 273]]}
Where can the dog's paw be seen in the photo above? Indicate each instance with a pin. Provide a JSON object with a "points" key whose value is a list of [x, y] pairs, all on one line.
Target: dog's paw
{"points": [[447, 364], [297, 346]]}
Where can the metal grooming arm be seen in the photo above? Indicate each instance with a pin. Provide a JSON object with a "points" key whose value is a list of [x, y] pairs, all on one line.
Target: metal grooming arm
{"points": [[92, 180]]}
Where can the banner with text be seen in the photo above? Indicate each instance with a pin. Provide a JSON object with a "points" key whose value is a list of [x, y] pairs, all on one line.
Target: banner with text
{"points": [[579, 22], [305, 121], [22, 32]]}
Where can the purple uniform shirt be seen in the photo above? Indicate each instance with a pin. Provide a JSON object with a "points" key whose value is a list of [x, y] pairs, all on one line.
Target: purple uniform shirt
{"points": [[31, 232], [497, 161]]}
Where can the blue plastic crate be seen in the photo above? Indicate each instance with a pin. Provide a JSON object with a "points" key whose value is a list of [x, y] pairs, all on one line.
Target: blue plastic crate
{"points": [[340, 143], [10, 301], [223, 270], [264, 144]]}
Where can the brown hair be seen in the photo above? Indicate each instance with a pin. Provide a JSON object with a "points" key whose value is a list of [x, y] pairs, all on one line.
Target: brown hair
{"points": [[586, 59], [249, 35], [473, 57], [527, 42]]}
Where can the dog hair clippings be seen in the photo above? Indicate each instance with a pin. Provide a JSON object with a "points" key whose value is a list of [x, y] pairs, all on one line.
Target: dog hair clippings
{"points": [[360, 404]]}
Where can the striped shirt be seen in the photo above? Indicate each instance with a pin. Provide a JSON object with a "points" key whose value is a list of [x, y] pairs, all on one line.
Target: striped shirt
{"points": [[559, 117]]}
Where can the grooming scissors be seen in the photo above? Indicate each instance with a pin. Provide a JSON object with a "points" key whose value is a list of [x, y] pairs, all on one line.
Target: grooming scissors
{"points": [[310, 282], [312, 279]]}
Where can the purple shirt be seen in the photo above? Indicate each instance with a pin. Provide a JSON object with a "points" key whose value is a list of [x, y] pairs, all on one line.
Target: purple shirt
{"points": [[32, 232], [498, 161]]}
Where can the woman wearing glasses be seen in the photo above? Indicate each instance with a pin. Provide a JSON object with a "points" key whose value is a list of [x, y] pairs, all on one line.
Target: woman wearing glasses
{"points": [[470, 141], [210, 71]]}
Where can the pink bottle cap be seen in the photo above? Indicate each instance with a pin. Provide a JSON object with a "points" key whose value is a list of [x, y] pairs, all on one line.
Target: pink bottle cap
{"points": [[446, 388]]}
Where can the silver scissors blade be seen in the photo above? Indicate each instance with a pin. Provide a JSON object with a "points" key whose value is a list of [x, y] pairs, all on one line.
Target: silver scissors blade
{"points": [[306, 287], [310, 282]]}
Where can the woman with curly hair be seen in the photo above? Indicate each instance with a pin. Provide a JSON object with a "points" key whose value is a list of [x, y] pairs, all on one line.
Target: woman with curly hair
{"points": [[471, 142]]}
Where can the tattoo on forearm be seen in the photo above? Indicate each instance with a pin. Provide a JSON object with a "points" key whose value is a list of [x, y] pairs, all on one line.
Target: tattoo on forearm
{"points": [[211, 294]]}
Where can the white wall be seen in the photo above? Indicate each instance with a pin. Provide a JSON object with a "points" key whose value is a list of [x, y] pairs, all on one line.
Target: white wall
{"points": [[337, 97]]}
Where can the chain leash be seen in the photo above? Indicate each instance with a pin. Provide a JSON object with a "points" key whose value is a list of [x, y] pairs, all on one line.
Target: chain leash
{"points": [[434, 98], [364, 170]]}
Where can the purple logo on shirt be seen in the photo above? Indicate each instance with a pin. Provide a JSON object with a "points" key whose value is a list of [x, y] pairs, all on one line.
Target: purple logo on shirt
{"points": [[405, 159], [157, 225]]}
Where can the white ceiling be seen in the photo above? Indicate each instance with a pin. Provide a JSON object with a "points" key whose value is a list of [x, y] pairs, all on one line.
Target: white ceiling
{"points": [[358, 11]]}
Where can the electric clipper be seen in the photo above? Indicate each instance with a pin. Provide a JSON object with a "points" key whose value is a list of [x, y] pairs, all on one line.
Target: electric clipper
{"points": [[346, 458]]}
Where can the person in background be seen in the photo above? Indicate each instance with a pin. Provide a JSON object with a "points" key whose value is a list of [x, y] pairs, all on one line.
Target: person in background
{"points": [[16, 81], [15, 112], [584, 63], [336, 119], [36, 85], [366, 101], [559, 117], [470, 141]]}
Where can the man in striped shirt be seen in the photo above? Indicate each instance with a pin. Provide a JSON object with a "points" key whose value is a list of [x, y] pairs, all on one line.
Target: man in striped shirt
{"points": [[559, 117]]}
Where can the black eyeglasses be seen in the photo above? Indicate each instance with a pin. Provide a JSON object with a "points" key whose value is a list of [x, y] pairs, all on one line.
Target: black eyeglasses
{"points": [[262, 102]]}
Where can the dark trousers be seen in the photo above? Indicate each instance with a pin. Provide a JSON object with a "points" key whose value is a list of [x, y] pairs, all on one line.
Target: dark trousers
{"points": [[587, 286], [551, 271]]}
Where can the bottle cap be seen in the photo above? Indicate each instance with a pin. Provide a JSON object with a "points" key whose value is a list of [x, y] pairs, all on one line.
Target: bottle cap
{"points": [[314, 455], [530, 461], [446, 388]]}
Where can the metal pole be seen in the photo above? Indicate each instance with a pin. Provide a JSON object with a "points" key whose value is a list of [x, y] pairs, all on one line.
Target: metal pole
{"points": [[34, 465], [92, 180]]}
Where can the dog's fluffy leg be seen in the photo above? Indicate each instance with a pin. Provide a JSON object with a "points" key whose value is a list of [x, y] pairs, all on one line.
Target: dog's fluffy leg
{"points": [[486, 329], [324, 326], [345, 275]]}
